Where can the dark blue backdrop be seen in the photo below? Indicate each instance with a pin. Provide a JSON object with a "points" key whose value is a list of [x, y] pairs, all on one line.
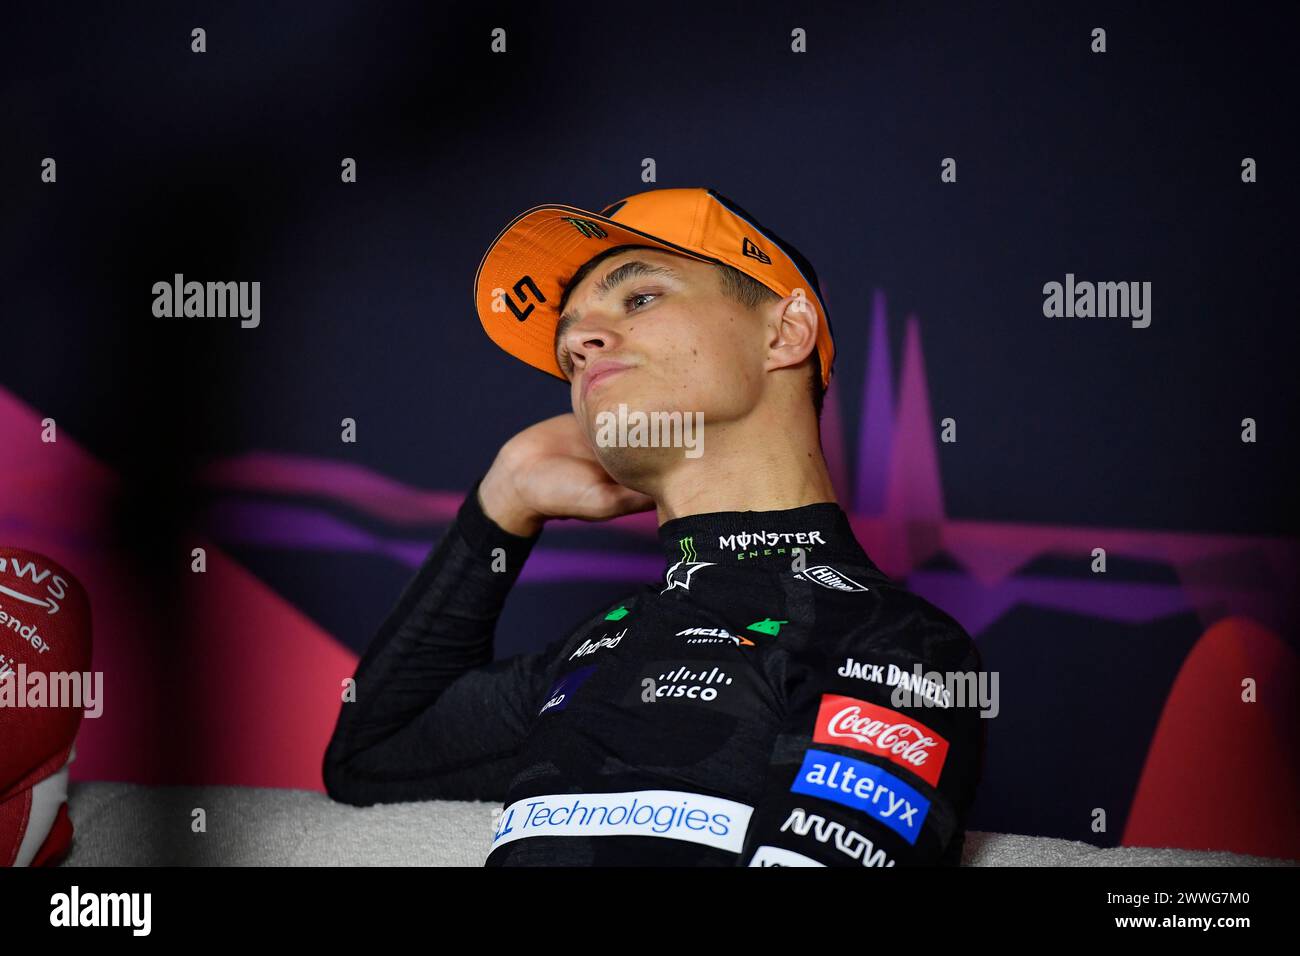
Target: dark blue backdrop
{"points": [[1122, 166]]}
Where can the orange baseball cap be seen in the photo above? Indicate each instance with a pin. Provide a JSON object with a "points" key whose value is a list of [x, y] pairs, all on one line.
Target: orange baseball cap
{"points": [[519, 283]]}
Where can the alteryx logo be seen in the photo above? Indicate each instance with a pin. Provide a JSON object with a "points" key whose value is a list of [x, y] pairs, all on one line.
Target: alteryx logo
{"points": [[565, 687], [865, 787]]}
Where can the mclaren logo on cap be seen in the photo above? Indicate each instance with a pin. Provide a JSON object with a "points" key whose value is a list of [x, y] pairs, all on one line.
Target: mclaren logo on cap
{"points": [[589, 229], [754, 252], [523, 288]]}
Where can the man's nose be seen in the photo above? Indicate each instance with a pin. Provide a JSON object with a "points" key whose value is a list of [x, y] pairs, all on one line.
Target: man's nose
{"points": [[586, 338]]}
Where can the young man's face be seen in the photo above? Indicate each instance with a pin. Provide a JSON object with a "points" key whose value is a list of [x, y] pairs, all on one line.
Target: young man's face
{"points": [[671, 339]]}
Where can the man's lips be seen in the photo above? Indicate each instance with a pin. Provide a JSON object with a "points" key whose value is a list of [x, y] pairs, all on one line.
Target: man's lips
{"points": [[600, 373]]}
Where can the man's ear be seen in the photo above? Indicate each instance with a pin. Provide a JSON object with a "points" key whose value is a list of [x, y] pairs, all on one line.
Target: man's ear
{"points": [[793, 330]]}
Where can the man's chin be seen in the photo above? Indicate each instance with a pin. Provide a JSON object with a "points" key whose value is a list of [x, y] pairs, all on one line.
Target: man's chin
{"points": [[609, 397], [619, 416], [637, 441], [635, 467]]}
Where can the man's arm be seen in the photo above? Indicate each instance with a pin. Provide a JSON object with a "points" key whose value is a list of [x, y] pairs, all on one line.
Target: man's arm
{"points": [[434, 717], [858, 780]]}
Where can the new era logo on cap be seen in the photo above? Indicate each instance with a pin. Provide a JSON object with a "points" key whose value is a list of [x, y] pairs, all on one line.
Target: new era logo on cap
{"points": [[754, 252]]}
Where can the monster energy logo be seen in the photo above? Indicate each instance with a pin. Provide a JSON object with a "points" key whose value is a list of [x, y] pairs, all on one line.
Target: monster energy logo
{"points": [[688, 549], [768, 539], [589, 229]]}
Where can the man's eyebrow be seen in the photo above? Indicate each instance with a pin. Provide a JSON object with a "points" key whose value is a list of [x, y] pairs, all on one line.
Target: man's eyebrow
{"points": [[632, 269]]}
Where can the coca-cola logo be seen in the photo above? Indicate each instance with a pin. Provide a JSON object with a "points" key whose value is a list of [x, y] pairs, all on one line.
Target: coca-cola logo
{"points": [[861, 725], [902, 740]]}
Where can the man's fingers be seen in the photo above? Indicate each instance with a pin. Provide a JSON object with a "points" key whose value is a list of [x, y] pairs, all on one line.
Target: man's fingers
{"points": [[607, 500]]}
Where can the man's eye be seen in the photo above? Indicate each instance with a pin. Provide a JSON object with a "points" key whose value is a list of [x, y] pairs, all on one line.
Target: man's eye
{"points": [[638, 295], [562, 357]]}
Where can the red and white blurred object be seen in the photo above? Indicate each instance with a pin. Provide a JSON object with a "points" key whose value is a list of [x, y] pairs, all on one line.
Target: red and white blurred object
{"points": [[45, 626]]}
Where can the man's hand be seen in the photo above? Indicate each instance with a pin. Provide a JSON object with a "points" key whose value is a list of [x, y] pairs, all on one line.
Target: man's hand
{"points": [[549, 471]]}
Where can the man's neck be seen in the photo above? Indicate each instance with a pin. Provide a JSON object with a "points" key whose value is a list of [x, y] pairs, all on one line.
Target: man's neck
{"points": [[740, 472]]}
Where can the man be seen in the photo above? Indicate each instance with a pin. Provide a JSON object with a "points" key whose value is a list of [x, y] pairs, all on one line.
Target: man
{"points": [[740, 712]]}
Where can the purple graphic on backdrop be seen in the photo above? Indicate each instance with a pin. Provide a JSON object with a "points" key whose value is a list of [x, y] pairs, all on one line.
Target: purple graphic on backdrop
{"points": [[894, 499]]}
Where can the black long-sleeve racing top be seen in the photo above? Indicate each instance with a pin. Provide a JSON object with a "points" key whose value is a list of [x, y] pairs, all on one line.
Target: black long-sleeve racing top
{"points": [[775, 700]]}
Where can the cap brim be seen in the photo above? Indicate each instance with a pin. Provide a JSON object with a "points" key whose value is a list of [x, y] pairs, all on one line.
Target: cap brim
{"points": [[519, 282]]}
